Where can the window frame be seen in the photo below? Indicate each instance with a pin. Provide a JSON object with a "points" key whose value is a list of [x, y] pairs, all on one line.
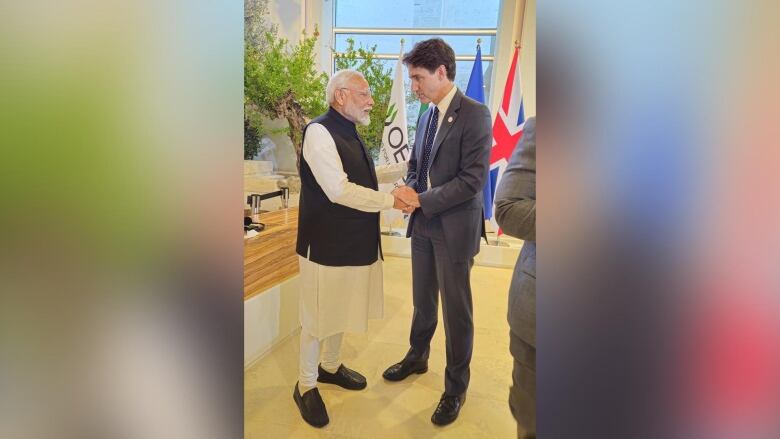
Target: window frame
{"points": [[477, 32]]}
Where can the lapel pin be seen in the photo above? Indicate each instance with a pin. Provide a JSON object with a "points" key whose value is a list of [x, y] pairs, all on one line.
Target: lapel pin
{"points": [[449, 119]]}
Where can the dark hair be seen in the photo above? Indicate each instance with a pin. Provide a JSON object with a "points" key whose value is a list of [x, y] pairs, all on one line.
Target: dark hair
{"points": [[431, 54]]}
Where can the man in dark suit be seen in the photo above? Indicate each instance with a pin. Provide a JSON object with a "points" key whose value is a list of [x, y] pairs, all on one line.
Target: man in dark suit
{"points": [[516, 214], [447, 171]]}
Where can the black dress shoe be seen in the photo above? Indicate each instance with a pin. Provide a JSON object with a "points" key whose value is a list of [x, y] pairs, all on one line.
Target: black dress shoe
{"points": [[311, 406], [400, 371], [448, 409], [344, 377]]}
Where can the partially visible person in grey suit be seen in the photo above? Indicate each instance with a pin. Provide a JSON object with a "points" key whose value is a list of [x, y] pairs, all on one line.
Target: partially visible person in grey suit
{"points": [[516, 214], [448, 168]]}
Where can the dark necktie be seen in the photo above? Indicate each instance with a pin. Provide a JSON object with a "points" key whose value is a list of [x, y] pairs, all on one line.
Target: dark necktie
{"points": [[430, 134]]}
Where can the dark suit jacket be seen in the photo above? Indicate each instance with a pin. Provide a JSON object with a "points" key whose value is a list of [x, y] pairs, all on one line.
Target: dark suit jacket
{"points": [[516, 214], [458, 170]]}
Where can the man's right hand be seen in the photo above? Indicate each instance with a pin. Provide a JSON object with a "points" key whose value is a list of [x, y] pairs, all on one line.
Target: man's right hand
{"points": [[398, 203], [407, 195], [402, 197]]}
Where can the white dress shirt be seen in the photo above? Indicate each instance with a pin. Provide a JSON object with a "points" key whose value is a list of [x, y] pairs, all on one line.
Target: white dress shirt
{"points": [[443, 106], [321, 154]]}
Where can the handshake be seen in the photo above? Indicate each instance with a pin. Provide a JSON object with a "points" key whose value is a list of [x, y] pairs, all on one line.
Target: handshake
{"points": [[406, 199]]}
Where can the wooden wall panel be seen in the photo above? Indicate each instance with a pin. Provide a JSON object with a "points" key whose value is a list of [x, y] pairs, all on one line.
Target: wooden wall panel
{"points": [[269, 257]]}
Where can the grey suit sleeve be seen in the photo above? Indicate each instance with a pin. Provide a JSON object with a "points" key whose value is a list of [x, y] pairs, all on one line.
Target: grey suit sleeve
{"points": [[516, 194], [475, 160]]}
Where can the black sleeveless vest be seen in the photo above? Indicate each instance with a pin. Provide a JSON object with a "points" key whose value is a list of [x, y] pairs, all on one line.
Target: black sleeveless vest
{"points": [[332, 234]]}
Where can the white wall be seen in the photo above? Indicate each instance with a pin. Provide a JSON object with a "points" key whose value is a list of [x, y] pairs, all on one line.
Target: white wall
{"points": [[516, 22], [286, 14], [528, 58], [284, 151], [269, 318]]}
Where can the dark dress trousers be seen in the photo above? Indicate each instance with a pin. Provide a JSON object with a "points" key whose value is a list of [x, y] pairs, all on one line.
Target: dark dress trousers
{"points": [[446, 230]]}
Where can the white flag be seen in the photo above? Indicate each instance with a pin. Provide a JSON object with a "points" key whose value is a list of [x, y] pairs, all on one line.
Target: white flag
{"points": [[395, 137]]}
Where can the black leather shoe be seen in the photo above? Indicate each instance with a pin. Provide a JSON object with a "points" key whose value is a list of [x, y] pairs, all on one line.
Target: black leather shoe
{"points": [[448, 409], [311, 406], [344, 377], [400, 371]]}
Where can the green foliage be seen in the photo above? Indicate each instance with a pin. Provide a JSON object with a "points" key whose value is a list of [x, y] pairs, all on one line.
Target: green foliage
{"points": [[412, 114], [273, 74], [380, 81], [251, 141], [307, 83], [256, 23]]}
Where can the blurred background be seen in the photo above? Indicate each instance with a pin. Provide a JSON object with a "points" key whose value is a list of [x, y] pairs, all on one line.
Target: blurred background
{"points": [[120, 305], [658, 291]]}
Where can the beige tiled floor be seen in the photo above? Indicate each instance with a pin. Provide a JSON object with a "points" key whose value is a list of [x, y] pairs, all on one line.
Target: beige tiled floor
{"points": [[394, 410]]}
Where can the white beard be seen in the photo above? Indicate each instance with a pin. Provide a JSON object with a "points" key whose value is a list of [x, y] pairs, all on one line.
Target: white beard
{"points": [[358, 115], [365, 121]]}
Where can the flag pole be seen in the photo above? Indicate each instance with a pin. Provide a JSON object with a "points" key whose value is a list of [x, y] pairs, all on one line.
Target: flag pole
{"points": [[389, 224], [479, 44]]}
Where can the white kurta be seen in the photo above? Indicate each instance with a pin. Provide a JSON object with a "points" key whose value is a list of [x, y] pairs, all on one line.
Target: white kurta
{"points": [[338, 299]]}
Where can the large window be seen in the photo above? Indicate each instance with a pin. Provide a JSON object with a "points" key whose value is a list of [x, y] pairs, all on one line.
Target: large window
{"points": [[385, 22]]}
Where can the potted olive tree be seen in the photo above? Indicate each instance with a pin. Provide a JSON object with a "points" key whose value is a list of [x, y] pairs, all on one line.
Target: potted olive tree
{"points": [[282, 81]]}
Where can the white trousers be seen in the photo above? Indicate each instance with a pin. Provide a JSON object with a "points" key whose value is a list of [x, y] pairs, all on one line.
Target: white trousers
{"points": [[310, 356]]}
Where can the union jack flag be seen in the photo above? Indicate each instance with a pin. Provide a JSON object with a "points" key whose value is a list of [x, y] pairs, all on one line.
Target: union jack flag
{"points": [[507, 130]]}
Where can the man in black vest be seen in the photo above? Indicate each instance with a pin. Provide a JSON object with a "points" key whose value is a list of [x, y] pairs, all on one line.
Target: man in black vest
{"points": [[447, 170], [339, 249]]}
